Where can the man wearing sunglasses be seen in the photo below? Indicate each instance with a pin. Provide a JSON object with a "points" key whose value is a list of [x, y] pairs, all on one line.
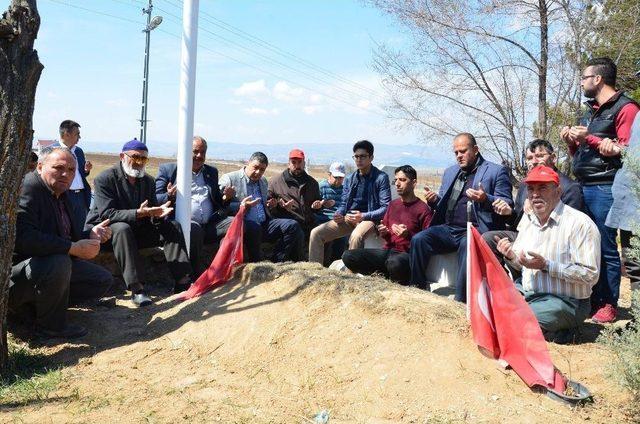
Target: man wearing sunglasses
{"points": [[126, 196]]}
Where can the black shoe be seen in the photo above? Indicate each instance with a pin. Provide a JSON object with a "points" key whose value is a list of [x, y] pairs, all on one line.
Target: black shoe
{"points": [[70, 331], [141, 299], [107, 302], [179, 288]]}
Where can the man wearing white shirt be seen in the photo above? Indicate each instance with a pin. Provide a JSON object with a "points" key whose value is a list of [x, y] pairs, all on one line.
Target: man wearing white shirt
{"points": [[79, 193], [558, 251]]}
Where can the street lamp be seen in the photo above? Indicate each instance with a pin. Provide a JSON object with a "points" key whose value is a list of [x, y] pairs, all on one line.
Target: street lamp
{"points": [[151, 25]]}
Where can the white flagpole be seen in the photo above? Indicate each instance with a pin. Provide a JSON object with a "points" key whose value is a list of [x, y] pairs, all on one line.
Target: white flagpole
{"points": [[185, 114], [469, 212]]}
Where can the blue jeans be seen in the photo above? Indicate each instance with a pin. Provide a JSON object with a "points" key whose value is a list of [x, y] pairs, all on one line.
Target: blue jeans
{"points": [[434, 241], [598, 201]]}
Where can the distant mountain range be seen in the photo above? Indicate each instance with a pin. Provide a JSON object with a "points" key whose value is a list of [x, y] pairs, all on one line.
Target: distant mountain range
{"points": [[418, 156]]}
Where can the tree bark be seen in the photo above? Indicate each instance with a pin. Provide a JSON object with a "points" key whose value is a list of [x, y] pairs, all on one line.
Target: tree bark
{"points": [[20, 71], [543, 69]]}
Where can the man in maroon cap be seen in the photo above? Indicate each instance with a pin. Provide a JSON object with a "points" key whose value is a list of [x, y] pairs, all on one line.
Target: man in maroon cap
{"points": [[296, 194], [558, 251]]}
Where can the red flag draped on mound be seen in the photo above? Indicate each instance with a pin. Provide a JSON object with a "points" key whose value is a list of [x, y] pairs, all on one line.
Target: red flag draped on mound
{"points": [[503, 325], [229, 254]]}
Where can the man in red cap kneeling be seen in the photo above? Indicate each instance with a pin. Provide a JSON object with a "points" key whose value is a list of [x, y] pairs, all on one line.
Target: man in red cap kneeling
{"points": [[558, 251]]}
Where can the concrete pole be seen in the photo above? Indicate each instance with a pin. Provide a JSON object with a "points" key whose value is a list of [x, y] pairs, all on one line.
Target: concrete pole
{"points": [[185, 114]]}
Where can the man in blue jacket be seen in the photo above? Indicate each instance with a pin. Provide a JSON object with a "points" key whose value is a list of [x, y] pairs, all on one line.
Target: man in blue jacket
{"points": [[79, 194], [472, 179], [209, 220], [365, 197]]}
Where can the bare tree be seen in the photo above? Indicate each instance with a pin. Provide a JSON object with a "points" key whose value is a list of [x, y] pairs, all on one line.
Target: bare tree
{"points": [[20, 71], [487, 67]]}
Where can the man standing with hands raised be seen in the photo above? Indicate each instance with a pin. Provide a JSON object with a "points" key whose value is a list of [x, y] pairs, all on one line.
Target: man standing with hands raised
{"points": [[126, 196], [472, 179]]}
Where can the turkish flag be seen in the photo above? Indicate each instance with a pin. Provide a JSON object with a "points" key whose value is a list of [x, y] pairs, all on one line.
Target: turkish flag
{"points": [[503, 325], [229, 254]]}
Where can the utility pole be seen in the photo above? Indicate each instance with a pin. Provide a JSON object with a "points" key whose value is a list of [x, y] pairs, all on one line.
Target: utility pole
{"points": [[151, 25]]}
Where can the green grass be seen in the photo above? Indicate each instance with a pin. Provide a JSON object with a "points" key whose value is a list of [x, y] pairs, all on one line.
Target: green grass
{"points": [[29, 378]]}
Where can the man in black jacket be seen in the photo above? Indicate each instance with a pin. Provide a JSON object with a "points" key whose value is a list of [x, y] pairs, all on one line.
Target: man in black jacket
{"points": [[609, 114], [49, 261], [126, 196], [539, 152]]}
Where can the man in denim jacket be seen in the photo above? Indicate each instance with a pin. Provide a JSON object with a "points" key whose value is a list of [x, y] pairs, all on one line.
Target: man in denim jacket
{"points": [[365, 198]]}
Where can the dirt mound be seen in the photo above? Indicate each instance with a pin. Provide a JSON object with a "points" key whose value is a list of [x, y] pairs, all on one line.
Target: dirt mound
{"points": [[280, 343]]}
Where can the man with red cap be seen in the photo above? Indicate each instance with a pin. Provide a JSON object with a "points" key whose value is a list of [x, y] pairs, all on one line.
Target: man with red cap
{"points": [[558, 251], [296, 194]]}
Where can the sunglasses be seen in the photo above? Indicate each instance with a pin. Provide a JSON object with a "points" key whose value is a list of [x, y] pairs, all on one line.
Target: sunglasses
{"points": [[141, 160]]}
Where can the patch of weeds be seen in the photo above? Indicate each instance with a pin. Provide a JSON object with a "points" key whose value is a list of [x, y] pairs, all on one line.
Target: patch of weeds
{"points": [[28, 377], [625, 346]]}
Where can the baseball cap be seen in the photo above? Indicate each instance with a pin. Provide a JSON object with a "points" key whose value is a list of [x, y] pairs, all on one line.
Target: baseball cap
{"points": [[542, 174], [296, 154], [337, 169]]}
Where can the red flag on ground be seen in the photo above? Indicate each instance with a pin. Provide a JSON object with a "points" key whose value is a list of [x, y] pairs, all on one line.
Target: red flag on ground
{"points": [[503, 325], [229, 254]]}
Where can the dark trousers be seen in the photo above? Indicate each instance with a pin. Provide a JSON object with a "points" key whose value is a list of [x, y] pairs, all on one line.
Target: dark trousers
{"points": [[127, 240], [631, 263], [434, 241], [48, 283], [489, 237], [79, 205], [390, 263], [208, 233], [286, 233]]}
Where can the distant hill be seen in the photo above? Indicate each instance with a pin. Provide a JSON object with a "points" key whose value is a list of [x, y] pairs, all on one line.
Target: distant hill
{"points": [[418, 156]]}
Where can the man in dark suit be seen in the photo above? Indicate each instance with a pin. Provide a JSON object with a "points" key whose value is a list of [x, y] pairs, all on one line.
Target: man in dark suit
{"points": [[538, 152], [49, 260], [79, 194], [126, 196], [209, 220], [472, 179]]}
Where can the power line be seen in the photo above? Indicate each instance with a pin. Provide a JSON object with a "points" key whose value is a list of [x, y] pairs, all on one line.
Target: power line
{"points": [[315, 78], [120, 18], [265, 44]]}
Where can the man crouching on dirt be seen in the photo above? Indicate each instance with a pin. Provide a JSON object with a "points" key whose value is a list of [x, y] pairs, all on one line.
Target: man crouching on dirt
{"points": [[558, 251], [50, 253], [126, 196]]}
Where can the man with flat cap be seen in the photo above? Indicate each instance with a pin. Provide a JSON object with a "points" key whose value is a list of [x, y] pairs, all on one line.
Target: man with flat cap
{"points": [[558, 251], [126, 196]]}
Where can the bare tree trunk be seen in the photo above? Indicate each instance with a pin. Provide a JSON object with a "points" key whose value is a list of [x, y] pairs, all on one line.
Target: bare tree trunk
{"points": [[20, 71], [543, 69]]}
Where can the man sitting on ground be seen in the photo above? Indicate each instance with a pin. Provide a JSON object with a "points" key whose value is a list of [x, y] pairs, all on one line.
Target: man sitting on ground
{"points": [[250, 185], [125, 195], [472, 179], [558, 251], [406, 216], [365, 197], [539, 152], [296, 193], [209, 220], [49, 261]]}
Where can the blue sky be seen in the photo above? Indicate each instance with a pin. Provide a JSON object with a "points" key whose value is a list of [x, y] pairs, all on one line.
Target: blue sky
{"points": [[94, 63]]}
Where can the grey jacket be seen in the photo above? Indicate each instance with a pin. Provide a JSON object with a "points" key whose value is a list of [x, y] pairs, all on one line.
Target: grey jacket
{"points": [[625, 210], [239, 180]]}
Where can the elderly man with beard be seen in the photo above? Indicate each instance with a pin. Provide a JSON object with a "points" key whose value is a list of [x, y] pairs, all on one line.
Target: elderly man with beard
{"points": [[50, 266], [558, 252], [126, 196]]}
